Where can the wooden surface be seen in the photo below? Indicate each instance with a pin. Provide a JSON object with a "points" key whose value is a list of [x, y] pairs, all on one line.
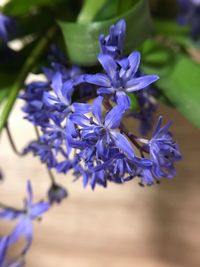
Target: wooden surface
{"points": [[121, 226]]}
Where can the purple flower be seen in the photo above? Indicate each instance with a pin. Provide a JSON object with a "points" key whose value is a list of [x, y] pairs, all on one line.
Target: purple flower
{"points": [[120, 77], [43, 150], [113, 43], [6, 26], [102, 130], [163, 151], [25, 217], [36, 110], [61, 99], [106, 153]]}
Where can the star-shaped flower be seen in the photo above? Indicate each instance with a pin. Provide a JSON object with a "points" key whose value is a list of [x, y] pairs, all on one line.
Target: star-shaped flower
{"points": [[25, 217]]}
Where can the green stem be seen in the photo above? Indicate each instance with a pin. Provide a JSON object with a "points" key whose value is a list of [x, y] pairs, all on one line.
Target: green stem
{"points": [[28, 65]]}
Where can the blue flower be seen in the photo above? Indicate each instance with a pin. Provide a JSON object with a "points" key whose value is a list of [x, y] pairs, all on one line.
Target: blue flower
{"points": [[105, 153], [25, 217], [43, 150], [61, 100], [163, 151], [113, 43], [6, 26], [120, 77], [36, 110], [102, 130]]}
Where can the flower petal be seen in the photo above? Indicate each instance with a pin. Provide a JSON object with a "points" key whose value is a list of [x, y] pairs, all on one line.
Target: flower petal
{"points": [[122, 143], [80, 119], [134, 62], [38, 209], [98, 79], [109, 65], [97, 109], [140, 83], [114, 117]]}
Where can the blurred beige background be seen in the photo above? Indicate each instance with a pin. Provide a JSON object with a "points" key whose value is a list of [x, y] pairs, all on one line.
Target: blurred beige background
{"points": [[121, 226]]}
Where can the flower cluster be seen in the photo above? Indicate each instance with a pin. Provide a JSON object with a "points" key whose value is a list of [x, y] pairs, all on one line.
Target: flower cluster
{"points": [[190, 14], [91, 138], [88, 137], [24, 228]]}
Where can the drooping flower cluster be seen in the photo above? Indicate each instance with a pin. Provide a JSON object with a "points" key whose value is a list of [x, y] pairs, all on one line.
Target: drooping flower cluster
{"points": [[190, 14], [91, 138], [24, 228]]}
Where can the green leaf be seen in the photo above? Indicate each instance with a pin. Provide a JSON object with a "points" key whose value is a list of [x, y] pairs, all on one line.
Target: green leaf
{"points": [[6, 81], [82, 40], [89, 10], [156, 58], [182, 87], [170, 28], [20, 7], [109, 10]]}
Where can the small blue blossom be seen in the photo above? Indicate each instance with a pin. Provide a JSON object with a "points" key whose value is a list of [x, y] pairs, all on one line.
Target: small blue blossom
{"points": [[106, 153], [102, 130], [25, 217], [35, 108], [113, 43], [120, 77], [163, 151]]}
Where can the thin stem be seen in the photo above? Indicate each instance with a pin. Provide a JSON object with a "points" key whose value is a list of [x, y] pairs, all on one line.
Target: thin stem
{"points": [[27, 67], [11, 141], [51, 176]]}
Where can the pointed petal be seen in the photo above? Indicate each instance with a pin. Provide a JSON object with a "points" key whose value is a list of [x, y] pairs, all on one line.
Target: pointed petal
{"points": [[134, 62], [104, 90], [158, 125], [140, 83], [38, 209], [97, 109], [98, 79], [122, 143], [30, 193], [123, 100], [9, 214], [57, 84], [80, 120], [81, 108], [67, 91], [114, 117], [109, 65]]}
